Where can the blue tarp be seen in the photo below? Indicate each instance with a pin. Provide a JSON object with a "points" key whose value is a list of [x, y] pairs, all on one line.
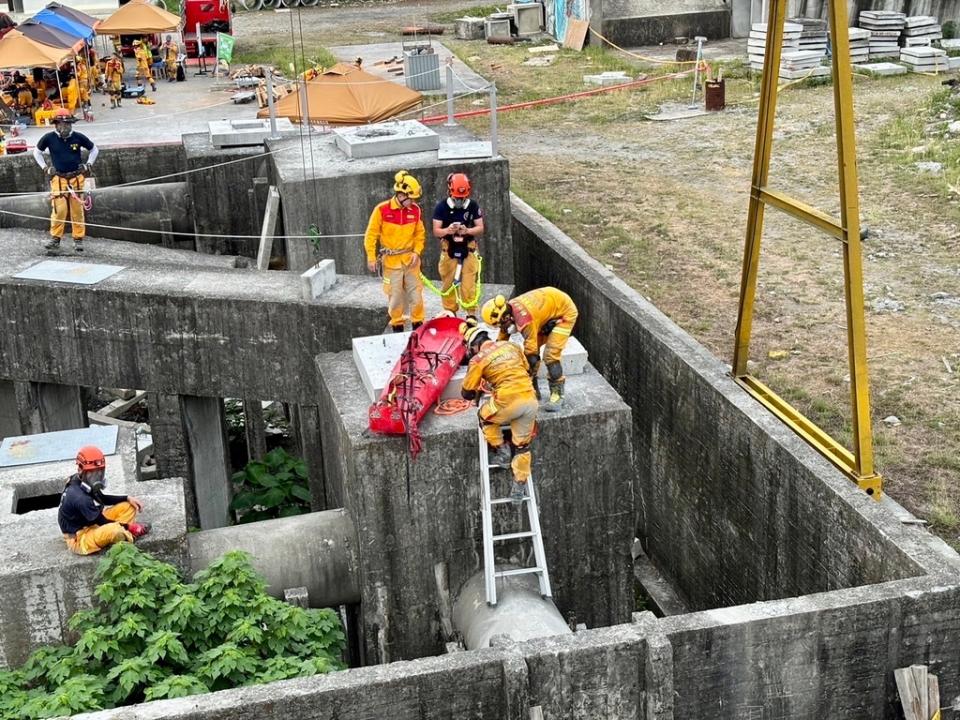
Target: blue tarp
{"points": [[71, 27]]}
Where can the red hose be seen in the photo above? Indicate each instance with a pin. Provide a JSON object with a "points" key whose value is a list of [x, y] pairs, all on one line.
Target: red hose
{"points": [[558, 98]]}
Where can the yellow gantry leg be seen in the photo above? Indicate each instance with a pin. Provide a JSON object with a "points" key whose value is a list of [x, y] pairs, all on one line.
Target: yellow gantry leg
{"points": [[858, 464]]}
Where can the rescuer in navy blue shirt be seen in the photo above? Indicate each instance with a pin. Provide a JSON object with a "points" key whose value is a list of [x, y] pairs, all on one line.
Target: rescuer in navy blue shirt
{"points": [[457, 223], [67, 171]]}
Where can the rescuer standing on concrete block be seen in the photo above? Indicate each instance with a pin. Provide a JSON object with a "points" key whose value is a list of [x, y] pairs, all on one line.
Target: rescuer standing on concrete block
{"points": [[458, 222], [91, 520], [67, 170], [504, 368], [114, 72], [171, 51], [545, 317], [397, 225], [144, 59]]}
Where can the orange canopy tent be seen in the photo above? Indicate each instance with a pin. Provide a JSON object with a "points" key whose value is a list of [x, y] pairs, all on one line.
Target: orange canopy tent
{"points": [[138, 17], [19, 51], [346, 95]]}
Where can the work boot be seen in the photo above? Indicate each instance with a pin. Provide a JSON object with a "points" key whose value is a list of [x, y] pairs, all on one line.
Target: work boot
{"points": [[52, 246], [556, 397], [417, 324], [78, 246], [499, 455], [138, 530], [518, 492], [397, 328], [153, 86], [536, 388]]}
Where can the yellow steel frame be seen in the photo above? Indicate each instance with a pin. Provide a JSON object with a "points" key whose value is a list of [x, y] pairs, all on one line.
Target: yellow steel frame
{"points": [[858, 464]]}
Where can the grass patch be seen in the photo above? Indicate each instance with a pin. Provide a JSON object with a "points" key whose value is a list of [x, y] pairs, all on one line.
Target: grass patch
{"points": [[281, 57], [480, 11]]}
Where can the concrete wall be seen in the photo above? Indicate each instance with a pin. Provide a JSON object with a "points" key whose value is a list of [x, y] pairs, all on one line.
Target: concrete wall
{"points": [[340, 200], [633, 31], [417, 513], [718, 476]]}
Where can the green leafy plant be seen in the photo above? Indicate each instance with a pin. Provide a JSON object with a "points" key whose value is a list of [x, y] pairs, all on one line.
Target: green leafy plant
{"points": [[270, 488], [155, 636]]}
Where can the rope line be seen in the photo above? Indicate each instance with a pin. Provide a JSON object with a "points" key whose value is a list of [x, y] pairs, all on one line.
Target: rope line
{"points": [[455, 288]]}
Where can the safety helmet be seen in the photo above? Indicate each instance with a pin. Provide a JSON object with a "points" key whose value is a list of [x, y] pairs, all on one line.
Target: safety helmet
{"points": [[63, 116], [90, 457], [135, 43], [404, 182], [458, 185], [494, 310], [471, 333]]}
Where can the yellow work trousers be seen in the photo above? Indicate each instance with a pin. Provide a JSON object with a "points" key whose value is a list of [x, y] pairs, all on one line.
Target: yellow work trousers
{"points": [[556, 341], [172, 68], [64, 206], [404, 291], [95, 538], [520, 412], [143, 71], [468, 282]]}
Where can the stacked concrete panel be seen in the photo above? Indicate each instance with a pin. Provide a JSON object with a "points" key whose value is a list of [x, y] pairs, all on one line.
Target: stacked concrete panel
{"points": [[859, 45], [921, 30], [814, 37], [925, 59], [885, 27], [757, 42]]}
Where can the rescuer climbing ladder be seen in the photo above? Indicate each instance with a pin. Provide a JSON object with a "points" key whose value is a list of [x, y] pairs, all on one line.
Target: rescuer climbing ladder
{"points": [[490, 572]]}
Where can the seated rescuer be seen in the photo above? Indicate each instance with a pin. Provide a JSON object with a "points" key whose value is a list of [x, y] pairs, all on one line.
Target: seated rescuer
{"points": [[458, 222], [545, 317], [91, 520], [397, 226], [504, 368]]}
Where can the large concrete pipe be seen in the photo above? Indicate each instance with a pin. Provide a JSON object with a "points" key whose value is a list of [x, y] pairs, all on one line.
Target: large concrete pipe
{"points": [[317, 551], [155, 208], [520, 612]]}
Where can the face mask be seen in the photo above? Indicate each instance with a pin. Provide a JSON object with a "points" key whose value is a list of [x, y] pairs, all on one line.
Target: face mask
{"points": [[63, 131], [459, 203]]}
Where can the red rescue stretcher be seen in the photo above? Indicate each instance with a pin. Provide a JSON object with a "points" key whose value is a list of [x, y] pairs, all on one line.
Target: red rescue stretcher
{"points": [[432, 355]]}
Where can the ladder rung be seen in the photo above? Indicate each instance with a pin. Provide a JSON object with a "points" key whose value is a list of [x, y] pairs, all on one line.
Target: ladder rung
{"points": [[501, 501], [519, 571], [513, 536]]}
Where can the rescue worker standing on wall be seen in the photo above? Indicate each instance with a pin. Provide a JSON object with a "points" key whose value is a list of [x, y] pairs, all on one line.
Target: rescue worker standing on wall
{"points": [[171, 51], [91, 520], [545, 317], [144, 59], [397, 225], [504, 368], [67, 171], [458, 222], [114, 72]]}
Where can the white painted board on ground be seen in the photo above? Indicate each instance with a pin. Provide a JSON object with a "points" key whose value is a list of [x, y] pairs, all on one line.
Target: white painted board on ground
{"points": [[69, 272], [56, 446]]}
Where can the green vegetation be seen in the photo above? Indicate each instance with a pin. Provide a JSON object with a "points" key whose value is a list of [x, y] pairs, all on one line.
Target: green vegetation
{"points": [[154, 636], [281, 56], [481, 11], [270, 488]]}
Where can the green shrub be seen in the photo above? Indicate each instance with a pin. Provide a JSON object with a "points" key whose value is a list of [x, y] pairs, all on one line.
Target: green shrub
{"points": [[154, 636], [270, 488]]}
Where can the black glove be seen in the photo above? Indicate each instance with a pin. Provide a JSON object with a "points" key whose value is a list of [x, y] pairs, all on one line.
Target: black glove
{"points": [[50, 171]]}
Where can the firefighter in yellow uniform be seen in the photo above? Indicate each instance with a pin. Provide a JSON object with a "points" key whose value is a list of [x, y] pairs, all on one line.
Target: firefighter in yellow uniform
{"points": [[144, 59], [114, 72], [171, 51], [504, 368], [397, 226], [83, 80], [545, 317]]}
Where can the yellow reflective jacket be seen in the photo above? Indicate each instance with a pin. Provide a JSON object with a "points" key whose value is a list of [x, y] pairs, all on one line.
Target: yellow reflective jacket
{"points": [[532, 310], [399, 231], [505, 369]]}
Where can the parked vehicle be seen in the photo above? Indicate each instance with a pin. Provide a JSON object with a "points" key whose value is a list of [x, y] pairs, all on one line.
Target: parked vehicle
{"points": [[212, 17]]}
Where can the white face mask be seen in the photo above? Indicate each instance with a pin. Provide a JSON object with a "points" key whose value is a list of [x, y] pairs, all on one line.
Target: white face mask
{"points": [[511, 329]]}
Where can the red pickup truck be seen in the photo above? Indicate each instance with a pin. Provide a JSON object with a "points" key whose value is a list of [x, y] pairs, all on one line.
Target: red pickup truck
{"points": [[212, 16]]}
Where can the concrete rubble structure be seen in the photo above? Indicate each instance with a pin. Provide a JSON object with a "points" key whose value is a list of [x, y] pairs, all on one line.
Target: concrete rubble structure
{"points": [[804, 593]]}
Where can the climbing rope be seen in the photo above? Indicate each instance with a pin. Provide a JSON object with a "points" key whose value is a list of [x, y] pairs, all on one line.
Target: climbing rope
{"points": [[455, 288], [452, 406]]}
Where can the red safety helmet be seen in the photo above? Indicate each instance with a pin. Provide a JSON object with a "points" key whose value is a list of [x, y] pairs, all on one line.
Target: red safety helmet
{"points": [[63, 115], [90, 457], [458, 185]]}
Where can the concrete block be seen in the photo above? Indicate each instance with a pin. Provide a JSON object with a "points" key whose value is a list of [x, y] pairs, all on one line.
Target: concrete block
{"points": [[607, 78], [468, 28], [528, 18], [910, 53], [881, 69], [318, 279], [818, 71], [233, 133], [497, 27], [297, 596], [388, 138]]}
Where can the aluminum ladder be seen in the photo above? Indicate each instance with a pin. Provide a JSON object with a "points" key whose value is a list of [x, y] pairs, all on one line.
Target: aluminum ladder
{"points": [[490, 572]]}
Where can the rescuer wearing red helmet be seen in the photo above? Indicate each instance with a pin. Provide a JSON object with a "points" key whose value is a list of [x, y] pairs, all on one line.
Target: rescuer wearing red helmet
{"points": [[91, 520], [457, 223]]}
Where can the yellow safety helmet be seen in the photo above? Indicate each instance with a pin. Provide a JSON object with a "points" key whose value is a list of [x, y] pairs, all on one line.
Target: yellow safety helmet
{"points": [[404, 182], [493, 310], [472, 331]]}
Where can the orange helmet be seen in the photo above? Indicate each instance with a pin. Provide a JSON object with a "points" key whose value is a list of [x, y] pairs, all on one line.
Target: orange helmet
{"points": [[458, 185], [90, 457], [63, 115]]}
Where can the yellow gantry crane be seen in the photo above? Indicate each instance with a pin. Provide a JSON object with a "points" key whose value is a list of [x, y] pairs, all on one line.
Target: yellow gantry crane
{"points": [[858, 462]]}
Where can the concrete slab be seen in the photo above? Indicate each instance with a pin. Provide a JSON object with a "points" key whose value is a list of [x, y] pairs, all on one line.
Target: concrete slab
{"points": [[464, 150], [54, 446], [375, 357], [881, 69], [79, 273], [607, 78], [318, 279], [394, 137], [248, 131], [468, 28], [803, 73]]}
